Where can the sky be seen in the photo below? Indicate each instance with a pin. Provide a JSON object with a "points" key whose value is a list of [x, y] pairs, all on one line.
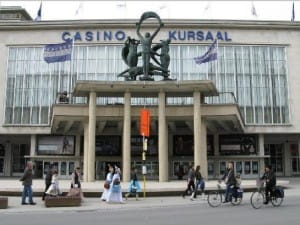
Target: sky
{"points": [[235, 10]]}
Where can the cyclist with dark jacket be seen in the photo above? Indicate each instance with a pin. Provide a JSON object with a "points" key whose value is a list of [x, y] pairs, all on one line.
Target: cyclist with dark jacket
{"points": [[230, 181], [270, 179]]}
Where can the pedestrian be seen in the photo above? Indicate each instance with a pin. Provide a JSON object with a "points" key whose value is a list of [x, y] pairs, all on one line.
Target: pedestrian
{"points": [[54, 190], [75, 183], [107, 182], [199, 184], [115, 190], [230, 182], [134, 185], [48, 180], [190, 182], [27, 183]]}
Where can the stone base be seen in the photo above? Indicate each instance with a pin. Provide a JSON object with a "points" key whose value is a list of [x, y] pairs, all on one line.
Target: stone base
{"points": [[62, 201], [3, 202]]}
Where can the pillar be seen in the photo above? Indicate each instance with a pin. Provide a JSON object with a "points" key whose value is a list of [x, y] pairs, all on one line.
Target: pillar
{"points": [[91, 137], [203, 150], [8, 159], [85, 151], [261, 153], [32, 145], [163, 159], [126, 163], [197, 129], [287, 170], [77, 151]]}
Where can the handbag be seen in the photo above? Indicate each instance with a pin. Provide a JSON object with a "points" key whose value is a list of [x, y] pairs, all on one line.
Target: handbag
{"points": [[74, 192], [106, 185]]}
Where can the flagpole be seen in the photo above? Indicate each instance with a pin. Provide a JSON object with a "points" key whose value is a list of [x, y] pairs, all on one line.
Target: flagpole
{"points": [[71, 70]]}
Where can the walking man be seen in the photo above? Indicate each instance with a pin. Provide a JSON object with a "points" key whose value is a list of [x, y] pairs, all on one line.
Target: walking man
{"points": [[27, 182], [48, 180]]}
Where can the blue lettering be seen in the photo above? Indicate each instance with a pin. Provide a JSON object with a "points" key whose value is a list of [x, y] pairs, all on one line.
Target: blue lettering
{"points": [[209, 36], [89, 36], [200, 36], [226, 37], [77, 37], [64, 34], [172, 35], [191, 35], [120, 35], [219, 36], [98, 35], [183, 37], [107, 35]]}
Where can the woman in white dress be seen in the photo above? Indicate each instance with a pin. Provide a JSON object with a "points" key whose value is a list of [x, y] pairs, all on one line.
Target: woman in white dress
{"points": [[54, 190], [115, 190], [107, 183]]}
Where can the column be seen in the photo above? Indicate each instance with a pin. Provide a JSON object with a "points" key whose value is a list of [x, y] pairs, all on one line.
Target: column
{"points": [[197, 129], [77, 151], [32, 145], [85, 152], [126, 158], [203, 150], [287, 160], [91, 137], [261, 153], [8, 159], [163, 159]]}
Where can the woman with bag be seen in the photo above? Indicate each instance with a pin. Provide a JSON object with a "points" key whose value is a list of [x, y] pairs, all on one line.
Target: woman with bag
{"points": [[75, 184], [107, 183], [199, 184], [54, 190], [115, 190]]}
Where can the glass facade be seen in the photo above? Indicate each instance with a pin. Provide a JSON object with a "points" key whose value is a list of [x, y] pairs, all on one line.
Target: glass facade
{"points": [[257, 76]]}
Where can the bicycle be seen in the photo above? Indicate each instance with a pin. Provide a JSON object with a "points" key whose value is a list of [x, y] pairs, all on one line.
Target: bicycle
{"points": [[214, 198], [258, 197]]}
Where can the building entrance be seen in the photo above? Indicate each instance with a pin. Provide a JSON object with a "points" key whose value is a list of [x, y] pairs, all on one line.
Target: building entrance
{"points": [[275, 151]]}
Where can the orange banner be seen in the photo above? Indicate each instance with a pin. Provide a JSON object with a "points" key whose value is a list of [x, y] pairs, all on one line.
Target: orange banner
{"points": [[145, 122]]}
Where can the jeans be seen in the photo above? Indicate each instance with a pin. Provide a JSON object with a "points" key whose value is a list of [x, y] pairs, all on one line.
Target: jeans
{"points": [[228, 192], [191, 185], [27, 191], [201, 184]]}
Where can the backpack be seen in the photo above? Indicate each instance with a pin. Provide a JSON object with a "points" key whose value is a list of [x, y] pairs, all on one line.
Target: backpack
{"points": [[279, 192]]}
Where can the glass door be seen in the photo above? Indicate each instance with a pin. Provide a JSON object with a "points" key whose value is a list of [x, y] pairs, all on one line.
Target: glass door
{"points": [[275, 151], [295, 159]]}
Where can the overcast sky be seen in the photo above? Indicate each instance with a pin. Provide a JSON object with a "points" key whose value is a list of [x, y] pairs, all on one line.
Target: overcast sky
{"points": [[68, 10]]}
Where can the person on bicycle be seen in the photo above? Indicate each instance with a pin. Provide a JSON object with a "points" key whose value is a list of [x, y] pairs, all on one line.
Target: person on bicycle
{"points": [[190, 182], [230, 181], [270, 179]]}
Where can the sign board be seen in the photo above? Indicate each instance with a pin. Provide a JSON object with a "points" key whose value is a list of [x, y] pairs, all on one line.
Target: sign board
{"points": [[145, 122], [55, 145]]}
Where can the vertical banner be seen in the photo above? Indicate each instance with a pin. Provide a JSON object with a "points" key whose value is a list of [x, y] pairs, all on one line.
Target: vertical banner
{"points": [[145, 122]]}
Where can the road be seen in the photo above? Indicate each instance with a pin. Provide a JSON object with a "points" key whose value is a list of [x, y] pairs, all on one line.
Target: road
{"points": [[287, 214]]}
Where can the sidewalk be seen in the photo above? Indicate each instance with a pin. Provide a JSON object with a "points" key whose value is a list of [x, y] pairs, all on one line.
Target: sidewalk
{"points": [[11, 187]]}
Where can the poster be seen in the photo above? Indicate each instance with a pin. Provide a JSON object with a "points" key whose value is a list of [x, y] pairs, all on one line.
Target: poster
{"points": [[55, 145]]}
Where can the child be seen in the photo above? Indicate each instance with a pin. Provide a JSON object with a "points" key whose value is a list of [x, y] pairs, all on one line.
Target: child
{"points": [[54, 187], [134, 185]]}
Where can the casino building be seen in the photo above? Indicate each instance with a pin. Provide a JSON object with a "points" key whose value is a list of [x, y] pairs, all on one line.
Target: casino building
{"points": [[242, 107]]}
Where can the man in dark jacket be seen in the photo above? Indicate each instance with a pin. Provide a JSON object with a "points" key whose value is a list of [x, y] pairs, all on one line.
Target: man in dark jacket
{"points": [[229, 180], [48, 180], [270, 179], [27, 182]]}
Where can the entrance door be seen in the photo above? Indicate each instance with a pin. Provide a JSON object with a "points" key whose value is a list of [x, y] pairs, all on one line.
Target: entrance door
{"points": [[275, 151], [64, 168], [294, 159]]}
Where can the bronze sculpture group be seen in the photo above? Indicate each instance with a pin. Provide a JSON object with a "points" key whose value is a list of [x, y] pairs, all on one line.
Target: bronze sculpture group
{"points": [[131, 55]]}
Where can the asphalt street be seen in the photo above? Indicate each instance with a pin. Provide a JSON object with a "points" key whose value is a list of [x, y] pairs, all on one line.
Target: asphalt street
{"points": [[287, 214]]}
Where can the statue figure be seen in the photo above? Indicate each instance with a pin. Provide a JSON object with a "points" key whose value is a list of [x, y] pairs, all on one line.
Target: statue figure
{"points": [[146, 42], [130, 55], [164, 57]]}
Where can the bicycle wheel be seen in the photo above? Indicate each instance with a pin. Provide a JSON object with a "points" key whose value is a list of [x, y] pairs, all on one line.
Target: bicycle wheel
{"points": [[276, 201], [257, 200], [236, 201], [214, 199]]}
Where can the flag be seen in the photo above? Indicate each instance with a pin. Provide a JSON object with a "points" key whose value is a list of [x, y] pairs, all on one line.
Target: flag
{"points": [[253, 10], [58, 52], [39, 14], [210, 55], [293, 13], [79, 9]]}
